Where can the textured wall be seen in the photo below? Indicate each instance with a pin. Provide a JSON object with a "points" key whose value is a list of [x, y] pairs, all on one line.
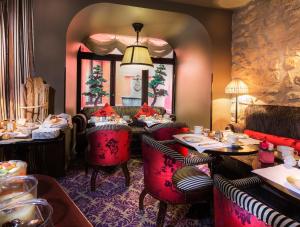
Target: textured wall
{"points": [[266, 50]]}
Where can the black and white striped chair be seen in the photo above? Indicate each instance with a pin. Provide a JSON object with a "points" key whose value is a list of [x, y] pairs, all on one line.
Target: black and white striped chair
{"points": [[165, 131], [234, 207], [161, 161]]}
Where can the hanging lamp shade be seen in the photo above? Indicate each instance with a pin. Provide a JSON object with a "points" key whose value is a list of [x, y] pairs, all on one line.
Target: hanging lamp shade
{"points": [[137, 54], [236, 86]]}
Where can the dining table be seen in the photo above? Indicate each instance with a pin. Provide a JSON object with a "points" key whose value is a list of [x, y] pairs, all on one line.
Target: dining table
{"points": [[244, 159], [213, 147], [254, 166], [65, 211]]}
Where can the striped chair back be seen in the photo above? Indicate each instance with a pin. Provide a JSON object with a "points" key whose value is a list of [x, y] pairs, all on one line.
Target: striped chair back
{"points": [[166, 131], [160, 163], [234, 207], [108, 145]]}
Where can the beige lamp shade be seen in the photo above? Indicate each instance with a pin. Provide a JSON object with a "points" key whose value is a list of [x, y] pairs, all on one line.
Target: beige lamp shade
{"points": [[236, 86], [137, 55]]}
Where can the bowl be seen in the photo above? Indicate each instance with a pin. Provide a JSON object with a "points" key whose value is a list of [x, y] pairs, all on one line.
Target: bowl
{"points": [[12, 168], [30, 213], [16, 189]]}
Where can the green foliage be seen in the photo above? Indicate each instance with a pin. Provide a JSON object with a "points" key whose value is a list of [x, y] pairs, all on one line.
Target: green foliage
{"points": [[158, 80], [95, 83]]}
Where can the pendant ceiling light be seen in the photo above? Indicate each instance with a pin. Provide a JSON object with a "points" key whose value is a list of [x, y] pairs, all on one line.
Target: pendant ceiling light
{"points": [[137, 54]]}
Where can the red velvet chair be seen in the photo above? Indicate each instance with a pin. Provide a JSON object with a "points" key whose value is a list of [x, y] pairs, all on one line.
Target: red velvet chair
{"points": [[234, 207], [166, 131], [161, 161], [108, 145]]}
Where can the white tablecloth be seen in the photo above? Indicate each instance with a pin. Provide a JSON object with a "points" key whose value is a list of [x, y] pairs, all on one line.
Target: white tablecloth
{"points": [[205, 143], [151, 122], [101, 123], [278, 175]]}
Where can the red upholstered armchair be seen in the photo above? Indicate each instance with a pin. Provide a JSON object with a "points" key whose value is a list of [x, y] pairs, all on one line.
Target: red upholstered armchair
{"points": [[167, 130], [108, 145], [234, 207], [161, 161]]}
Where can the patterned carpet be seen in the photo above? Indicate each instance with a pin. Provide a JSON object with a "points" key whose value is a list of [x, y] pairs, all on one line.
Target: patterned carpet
{"points": [[112, 204]]}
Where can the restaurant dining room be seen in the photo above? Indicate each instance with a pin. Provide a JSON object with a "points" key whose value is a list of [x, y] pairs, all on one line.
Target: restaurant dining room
{"points": [[139, 113]]}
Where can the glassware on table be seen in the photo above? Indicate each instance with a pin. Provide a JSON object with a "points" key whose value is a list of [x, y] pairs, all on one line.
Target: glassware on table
{"points": [[16, 189], [30, 213], [219, 135], [198, 129], [12, 168]]}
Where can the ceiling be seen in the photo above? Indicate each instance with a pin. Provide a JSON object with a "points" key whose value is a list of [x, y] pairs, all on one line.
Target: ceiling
{"points": [[172, 27], [226, 4]]}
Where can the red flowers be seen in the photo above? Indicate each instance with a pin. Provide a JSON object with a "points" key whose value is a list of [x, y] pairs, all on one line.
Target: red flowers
{"points": [[264, 145]]}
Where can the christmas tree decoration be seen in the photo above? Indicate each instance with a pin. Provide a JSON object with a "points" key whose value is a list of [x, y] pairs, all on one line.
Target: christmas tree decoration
{"points": [[158, 80], [95, 83]]}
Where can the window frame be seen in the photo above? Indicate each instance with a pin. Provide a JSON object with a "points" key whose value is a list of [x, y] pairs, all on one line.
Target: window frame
{"points": [[113, 58]]}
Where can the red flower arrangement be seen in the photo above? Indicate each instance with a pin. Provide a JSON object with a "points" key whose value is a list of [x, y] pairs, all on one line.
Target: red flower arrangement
{"points": [[264, 145], [266, 154]]}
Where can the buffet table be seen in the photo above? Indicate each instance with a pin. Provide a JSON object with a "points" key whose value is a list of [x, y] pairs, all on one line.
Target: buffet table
{"points": [[65, 212], [43, 156]]}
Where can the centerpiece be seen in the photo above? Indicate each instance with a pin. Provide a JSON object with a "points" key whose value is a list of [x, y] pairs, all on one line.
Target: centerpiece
{"points": [[266, 152]]}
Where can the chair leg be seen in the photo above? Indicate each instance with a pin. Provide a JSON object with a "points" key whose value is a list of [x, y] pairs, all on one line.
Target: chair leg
{"points": [[141, 199], [86, 169], [161, 214], [93, 179], [126, 174]]}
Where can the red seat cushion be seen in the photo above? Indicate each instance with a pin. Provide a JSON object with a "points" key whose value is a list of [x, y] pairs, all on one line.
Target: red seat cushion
{"points": [[255, 134], [145, 110], [276, 140], [105, 111], [297, 146]]}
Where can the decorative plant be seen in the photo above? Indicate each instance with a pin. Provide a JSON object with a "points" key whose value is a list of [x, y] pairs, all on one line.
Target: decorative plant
{"points": [[95, 83], [158, 80]]}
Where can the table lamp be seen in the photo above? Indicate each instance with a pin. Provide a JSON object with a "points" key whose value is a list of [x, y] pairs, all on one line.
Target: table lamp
{"points": [[236, 87]]}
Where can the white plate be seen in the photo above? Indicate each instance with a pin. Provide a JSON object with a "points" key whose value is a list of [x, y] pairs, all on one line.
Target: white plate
{"points": [[192, 139], [294, 181]]}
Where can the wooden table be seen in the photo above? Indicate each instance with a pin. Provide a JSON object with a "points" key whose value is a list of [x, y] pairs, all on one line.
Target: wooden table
{"points": [[65, 211]]}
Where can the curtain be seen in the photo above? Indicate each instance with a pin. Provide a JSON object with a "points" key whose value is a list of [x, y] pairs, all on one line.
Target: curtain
{"points": [[3, 63], [103, 47], [17, 46]]}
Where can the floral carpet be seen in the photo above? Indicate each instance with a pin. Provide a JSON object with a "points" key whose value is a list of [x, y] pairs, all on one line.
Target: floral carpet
{"points": [[113, 204]]}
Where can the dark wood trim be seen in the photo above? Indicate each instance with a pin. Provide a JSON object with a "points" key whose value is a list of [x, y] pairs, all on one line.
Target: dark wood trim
{"points": [[211, 101], [113, 59], [145, 82], [118, 57], [174, 84], [112, 82], [78, 90]]}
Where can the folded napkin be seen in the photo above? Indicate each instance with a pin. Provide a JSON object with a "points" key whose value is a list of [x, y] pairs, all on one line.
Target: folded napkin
{"points": [[210, 146]]}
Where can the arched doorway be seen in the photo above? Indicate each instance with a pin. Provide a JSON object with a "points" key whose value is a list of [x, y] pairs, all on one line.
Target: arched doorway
{"points": [[186, 35]]}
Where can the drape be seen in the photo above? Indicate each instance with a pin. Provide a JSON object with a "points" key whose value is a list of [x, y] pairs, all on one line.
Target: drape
{"points": [[3, 62], [17, 60], [103, 47]]}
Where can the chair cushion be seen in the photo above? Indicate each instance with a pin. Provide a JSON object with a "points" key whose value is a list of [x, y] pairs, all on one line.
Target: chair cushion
{"points": [[145, 110], [190, 178]]}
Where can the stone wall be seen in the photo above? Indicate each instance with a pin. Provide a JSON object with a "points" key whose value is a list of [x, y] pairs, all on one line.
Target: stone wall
{"points": [[266, 50]]}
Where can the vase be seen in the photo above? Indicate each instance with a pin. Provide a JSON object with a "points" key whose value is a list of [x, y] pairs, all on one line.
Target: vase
{"points": [[266, 156]]}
